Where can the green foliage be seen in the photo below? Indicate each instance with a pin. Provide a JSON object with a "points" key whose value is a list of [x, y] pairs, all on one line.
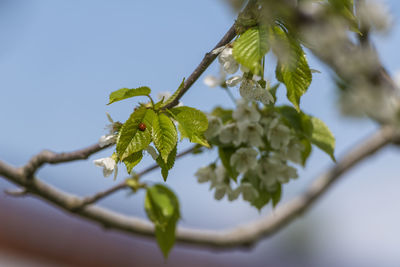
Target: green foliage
{"points": [[131, 139], [162, 208], [176, 93], [225, 154], [192, 124], [322, 137], [125, 93], [276, 195], [166, 166], [224, 114], [164, 135], [251, 47], [133, 160], [292, 68], [313, 129]]}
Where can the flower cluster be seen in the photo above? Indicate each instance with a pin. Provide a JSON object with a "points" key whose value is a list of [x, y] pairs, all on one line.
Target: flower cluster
{"points": [[254, 143]]}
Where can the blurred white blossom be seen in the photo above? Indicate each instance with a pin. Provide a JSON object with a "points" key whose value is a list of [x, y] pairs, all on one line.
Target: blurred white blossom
{"points": [[205, 174], [230, 134], [214, 127], [245, 112], [251, 134], [278, 134], [273, 170], [244, 159]]}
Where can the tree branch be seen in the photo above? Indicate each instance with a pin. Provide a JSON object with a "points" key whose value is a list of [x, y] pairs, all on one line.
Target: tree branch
{"points": [[50, 157], [241, 236], [93, 199]]}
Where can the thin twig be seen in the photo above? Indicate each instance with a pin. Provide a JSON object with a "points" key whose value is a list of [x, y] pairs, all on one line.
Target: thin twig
{"points": [[207, 60], [241, 236], [95, 198], [50, 157]]}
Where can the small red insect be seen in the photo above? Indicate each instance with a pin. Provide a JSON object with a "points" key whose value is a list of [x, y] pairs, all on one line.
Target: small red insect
{"points": [[142, 126]]}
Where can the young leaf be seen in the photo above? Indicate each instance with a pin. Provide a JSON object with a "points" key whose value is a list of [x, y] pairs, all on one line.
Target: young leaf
{"points": [[251, 47], [162, 208], [164, 135], [165, 167], [125, 93], [192, 124], [292, 68], [263, 198], [276, 196], [322, 137], [131, 139], [133, 160], [176, 93], [313, 129]]}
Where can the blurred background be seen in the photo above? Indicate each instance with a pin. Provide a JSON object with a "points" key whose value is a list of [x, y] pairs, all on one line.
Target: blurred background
{"points": [[59, 60]]}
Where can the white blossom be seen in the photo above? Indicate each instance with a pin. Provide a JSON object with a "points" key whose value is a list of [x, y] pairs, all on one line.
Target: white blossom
{"points": [[234, 80], [293, 151], [249, 193], [106, 140], [278, 134], [205, 174], [226, 59], [222, 185], [244, 112], [273, 170], [244, 159], [214, 127], [251, 134], [230, 134], [252, 91], [108, 165], [375, 15]]}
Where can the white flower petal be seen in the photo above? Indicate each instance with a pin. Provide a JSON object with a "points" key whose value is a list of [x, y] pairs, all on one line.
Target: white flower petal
{"points": [[233, 81], [108, 165], [218, 50], [106, 140]]}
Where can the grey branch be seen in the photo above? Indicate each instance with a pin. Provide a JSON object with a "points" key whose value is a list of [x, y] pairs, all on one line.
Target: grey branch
{"points": [[93, 199], [50, 157], [241, 236]]}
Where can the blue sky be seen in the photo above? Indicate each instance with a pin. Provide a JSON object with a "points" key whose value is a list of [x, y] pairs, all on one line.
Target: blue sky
{"points": [[59, 60]]}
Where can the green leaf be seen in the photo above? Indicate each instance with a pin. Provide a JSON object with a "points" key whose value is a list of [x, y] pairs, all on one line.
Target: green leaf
{"points": [[311, 128], [133, 160], [276, 196], [130, 138], [263, 195], [322, 137], [165, 167], [164, 135], [251, 47], [292, 68], [225, 154], [263, 198], [175, 95], [125, 93], [162, 208], [192, 124], [306, 152]]}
